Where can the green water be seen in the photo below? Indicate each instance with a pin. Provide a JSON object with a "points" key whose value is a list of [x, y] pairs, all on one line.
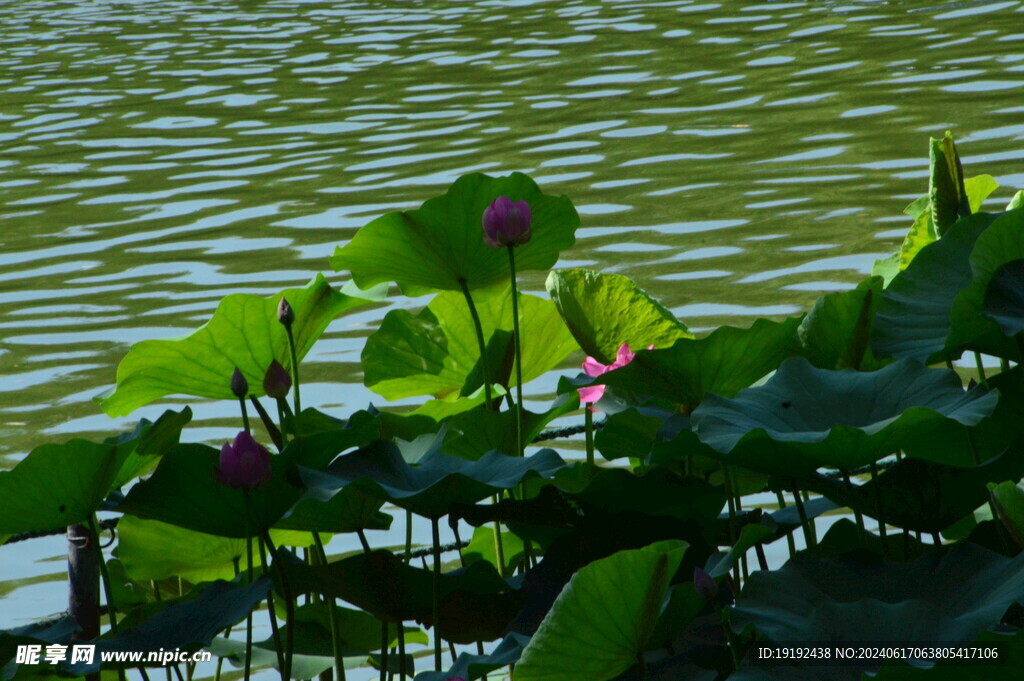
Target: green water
{"points": [[736, 159]]}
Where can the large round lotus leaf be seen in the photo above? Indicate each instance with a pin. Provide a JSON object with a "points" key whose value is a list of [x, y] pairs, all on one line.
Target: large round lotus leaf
{"points": [[440, 245], [1004, 297], [914, 317], [724, 362], [862, 598], [603, 311], [244, 333], [805, 418], [432, 486], [436, 351], [58, 485], [603, 618], [184, 491]]}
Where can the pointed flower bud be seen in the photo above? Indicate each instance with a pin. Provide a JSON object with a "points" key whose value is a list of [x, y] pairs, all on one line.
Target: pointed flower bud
{"points": [[277, 382], [285, 313], [239, 386], [705, 586], [244, 463], [506, 223]]}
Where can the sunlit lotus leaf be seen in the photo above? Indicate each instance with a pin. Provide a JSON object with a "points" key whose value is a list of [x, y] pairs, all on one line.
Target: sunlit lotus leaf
{"points": [[481, 547], [436, 351], [152, 550], [862, 598], [723, 363], [440, 245], [627, 589], [603, 311], [58, 485], [835, 333], [183, 491], [430, 488], [185, 624], [244, 332], [804, 418]]}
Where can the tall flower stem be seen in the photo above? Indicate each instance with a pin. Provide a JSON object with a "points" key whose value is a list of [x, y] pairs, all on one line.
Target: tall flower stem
{"points": [[339, 661], [108, 591], [248, 580], [289, 606], [295, 379], [479, 339], [245, 415], [519, 351], [436, 531], [272, 612], [588, 422], [804, 522]]}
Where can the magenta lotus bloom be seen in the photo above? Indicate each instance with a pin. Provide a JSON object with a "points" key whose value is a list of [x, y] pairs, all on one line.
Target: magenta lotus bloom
{"points": [[244, 464], [593, 368], [506, 223], [277, 382]]}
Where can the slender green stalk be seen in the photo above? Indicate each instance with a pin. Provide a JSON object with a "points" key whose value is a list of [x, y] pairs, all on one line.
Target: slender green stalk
{"points": [[981, 369], [588, 422], [295, 379], [519, 352], [384, 651], [108, 592], [245, 415], [289, 606], [401, 650], [499, 549], [789, 535], [271, 610], [857, 514], [408, 536], [248, 579], [436, 532], [804, 522], [339, 661], [480, 341], [282, 407], [878, 512], [363, 540], [814, 525]]}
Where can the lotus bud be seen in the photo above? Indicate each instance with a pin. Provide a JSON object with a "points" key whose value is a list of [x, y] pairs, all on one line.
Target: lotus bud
{"points": [[244, 463], [277, 382], [239, 386], [705, 586], [285, 313], [506, 223]]}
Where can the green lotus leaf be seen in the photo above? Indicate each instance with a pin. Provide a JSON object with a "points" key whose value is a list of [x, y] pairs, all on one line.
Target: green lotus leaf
{"points": [[627, 589], [58, 485], [1004, 297], [914, 317], [1006, 668], [603, 311], [923, 495], [440, 245], [185, 624], [1009, 501], [436, 351], [183, 491], [476, 603], [152, 550], [1017, 201], [243, 333], [804, 418], [430, 488], [860, 597], [628, 433], [472, 667], [835, 333], [481, 547], [350, 510], [724, 362], [483, 430]]}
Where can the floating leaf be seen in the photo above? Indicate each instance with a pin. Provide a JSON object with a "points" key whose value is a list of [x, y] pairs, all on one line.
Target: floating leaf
{"points": [[805, 418], [243, 333], [603, 311], [58, 485], [440, 245], [628, 589], [430, 488], [436, 352], [723, 363]]}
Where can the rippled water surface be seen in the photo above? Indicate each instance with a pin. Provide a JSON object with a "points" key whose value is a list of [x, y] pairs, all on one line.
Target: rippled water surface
{"points": [[736, 159]]}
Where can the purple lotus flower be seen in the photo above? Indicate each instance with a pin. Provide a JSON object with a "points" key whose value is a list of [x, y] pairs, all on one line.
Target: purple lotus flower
{"points": [[239, 386], [244, 464], [277, 382], [285, 313], [506, 223], [593, 368]]}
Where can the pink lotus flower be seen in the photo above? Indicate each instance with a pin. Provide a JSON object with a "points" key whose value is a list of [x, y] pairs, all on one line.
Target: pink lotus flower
{"points": [[244, 464], [506, 223], [593, 368]]}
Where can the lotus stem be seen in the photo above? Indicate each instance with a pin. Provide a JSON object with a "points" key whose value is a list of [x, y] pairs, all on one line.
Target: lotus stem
{"points": [[401, 650], [789, 535], [363, 541], [436, 536], [271, 610], [981, 369], [245, 415], [248, 580], [289, 606], [499, 549], [282, 408], [384, 651], [295, 378], [878, 512], [856, 514], [105, 577], [808, 537], [518, 339], [484, 370], [588, 416], [268, 423], [408, 536], [339, 661]]}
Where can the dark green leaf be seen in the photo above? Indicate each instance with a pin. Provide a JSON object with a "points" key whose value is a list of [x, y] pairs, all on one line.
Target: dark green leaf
{"points": [[835, 333]]}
